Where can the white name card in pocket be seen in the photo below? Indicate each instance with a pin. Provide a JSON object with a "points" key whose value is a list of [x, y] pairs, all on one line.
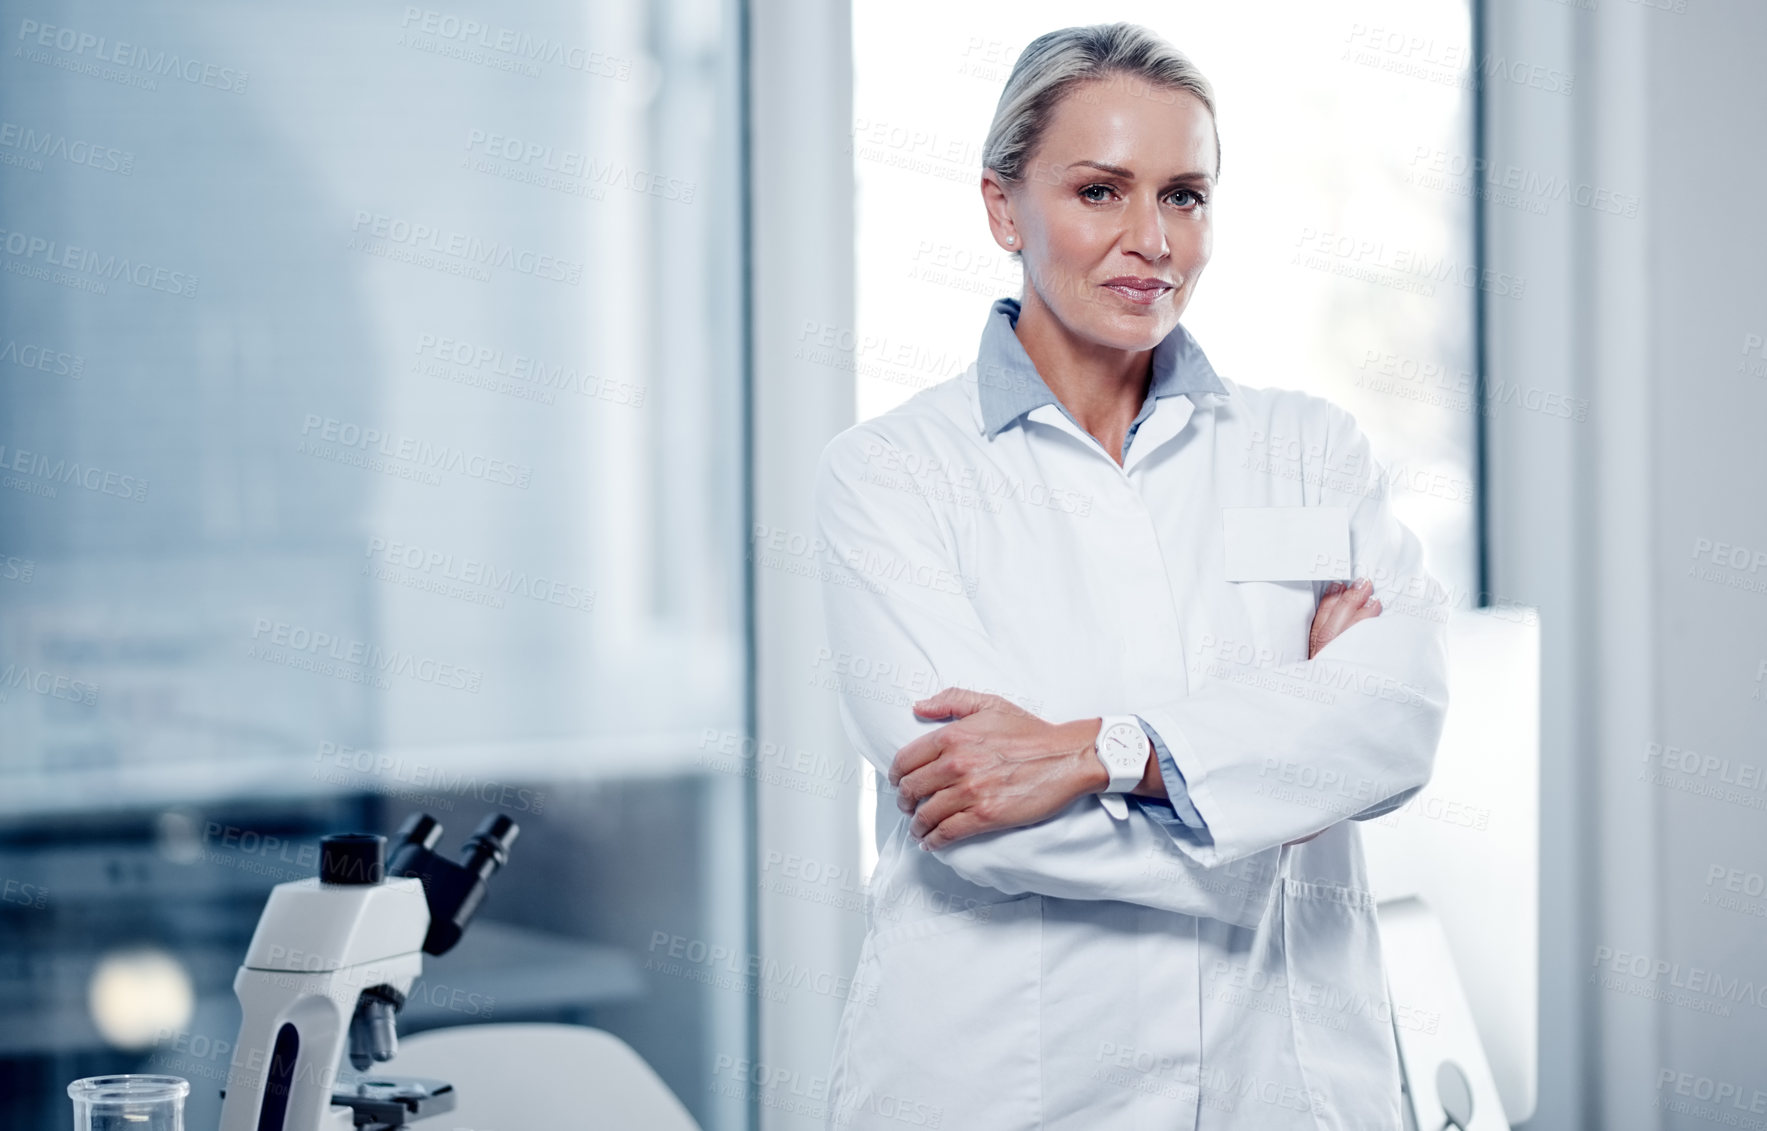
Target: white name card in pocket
{"points": [[1286, 543]]}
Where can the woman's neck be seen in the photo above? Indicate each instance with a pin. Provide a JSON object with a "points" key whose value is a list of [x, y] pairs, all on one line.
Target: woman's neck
{"points": [[1102, 388]]}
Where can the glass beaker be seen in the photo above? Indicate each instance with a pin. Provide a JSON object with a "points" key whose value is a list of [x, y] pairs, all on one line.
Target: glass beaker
{"points": [[129, 1103]]}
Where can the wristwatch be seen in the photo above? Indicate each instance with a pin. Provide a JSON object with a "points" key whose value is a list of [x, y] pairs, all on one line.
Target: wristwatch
{"points": [[1122, 747]]}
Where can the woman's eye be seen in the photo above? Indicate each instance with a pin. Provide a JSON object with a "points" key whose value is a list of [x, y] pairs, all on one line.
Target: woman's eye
{"points": [[1183, 198]]}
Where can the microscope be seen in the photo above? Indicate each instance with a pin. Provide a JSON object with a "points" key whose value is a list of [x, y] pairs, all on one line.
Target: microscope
{"points": [[328, 969]]}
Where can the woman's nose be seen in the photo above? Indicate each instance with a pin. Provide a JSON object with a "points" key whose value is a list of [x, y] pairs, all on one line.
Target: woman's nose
{"points": [[1145, 234]]}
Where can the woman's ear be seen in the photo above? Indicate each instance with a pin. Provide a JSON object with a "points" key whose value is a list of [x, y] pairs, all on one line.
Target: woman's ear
{"points": [[999, 206]]}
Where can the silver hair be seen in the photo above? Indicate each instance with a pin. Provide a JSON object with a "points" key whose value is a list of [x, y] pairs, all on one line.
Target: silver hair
{"points": [[1058, 60]]}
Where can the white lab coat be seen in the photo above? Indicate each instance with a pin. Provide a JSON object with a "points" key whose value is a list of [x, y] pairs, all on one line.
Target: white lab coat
{"points": [[1087, 973]]}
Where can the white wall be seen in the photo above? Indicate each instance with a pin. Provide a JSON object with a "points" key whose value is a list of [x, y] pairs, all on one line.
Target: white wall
{"points": [[1597, 522]]}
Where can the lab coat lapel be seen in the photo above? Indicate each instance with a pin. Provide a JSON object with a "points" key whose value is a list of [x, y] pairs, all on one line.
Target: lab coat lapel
{"points": [[1055, 417], [1170, 415]]}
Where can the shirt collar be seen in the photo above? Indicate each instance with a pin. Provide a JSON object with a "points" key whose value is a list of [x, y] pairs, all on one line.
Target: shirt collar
{"points": [[1009, 385]]}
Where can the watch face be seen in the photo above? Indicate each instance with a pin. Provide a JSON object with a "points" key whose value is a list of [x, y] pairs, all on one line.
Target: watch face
{"points": [[1123, 745]]}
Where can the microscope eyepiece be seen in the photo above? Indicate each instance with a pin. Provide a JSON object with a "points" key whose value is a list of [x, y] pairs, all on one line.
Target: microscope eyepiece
{"points": [[352, 859], [487, 849], [419, 829], [454, 891]]}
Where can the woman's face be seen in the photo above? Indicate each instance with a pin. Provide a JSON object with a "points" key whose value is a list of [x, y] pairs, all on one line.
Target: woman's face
{"points": [[1112, 213]]}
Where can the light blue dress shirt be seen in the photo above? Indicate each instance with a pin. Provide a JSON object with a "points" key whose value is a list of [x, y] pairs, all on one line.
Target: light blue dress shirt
{"points": [[1009, 386]]}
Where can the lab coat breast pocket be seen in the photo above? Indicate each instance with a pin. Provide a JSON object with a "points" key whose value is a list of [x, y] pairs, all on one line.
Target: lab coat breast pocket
{"points": [[947, 1033], [1337, 995], [1273, 558], [1278, 617]]}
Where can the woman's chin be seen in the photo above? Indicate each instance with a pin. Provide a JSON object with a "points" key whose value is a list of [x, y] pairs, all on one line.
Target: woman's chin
{"points": [[1134, 330]]}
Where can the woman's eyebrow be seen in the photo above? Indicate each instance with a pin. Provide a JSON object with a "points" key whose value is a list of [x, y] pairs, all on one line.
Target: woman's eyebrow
{"points": [[1119, 171]]}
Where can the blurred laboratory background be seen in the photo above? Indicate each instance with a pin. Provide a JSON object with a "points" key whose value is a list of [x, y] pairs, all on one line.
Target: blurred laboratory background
{"points": [[402, 369], [410, 408]]}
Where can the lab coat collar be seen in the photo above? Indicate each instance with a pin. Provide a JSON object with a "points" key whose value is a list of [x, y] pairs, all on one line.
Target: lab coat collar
{"points": [[1009, 386]]}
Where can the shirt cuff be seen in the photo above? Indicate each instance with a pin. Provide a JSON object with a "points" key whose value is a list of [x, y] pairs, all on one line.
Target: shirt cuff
{"points": [[1181, 809]]}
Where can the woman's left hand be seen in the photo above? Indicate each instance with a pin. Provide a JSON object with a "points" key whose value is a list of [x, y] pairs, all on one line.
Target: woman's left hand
{"points": [[996, 767]]}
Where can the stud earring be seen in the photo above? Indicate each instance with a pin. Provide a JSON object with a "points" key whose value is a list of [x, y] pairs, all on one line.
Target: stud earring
{"points": [[1011, 239]]}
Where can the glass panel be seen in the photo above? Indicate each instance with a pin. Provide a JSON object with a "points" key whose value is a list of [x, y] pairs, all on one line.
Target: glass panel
{"points": [[369, 421]]}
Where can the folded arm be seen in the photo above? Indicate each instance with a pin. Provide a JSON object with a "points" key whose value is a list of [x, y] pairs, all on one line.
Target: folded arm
{"points": [[1350, 733], [901, 628]]}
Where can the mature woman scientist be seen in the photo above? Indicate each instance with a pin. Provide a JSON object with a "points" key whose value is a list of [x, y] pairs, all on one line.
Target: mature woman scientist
{"points": [[1091, 525]]}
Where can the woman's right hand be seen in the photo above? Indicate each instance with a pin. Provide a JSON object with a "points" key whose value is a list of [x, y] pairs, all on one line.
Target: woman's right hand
{"points": [[1338, 609]]}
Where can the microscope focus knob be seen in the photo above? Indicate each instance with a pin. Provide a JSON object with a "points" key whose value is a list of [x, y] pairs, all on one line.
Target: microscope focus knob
{"points": [[352, 859]]}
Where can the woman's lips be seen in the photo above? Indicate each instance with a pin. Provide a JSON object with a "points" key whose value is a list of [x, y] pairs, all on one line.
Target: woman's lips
{"points": [[1139, 293]]}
